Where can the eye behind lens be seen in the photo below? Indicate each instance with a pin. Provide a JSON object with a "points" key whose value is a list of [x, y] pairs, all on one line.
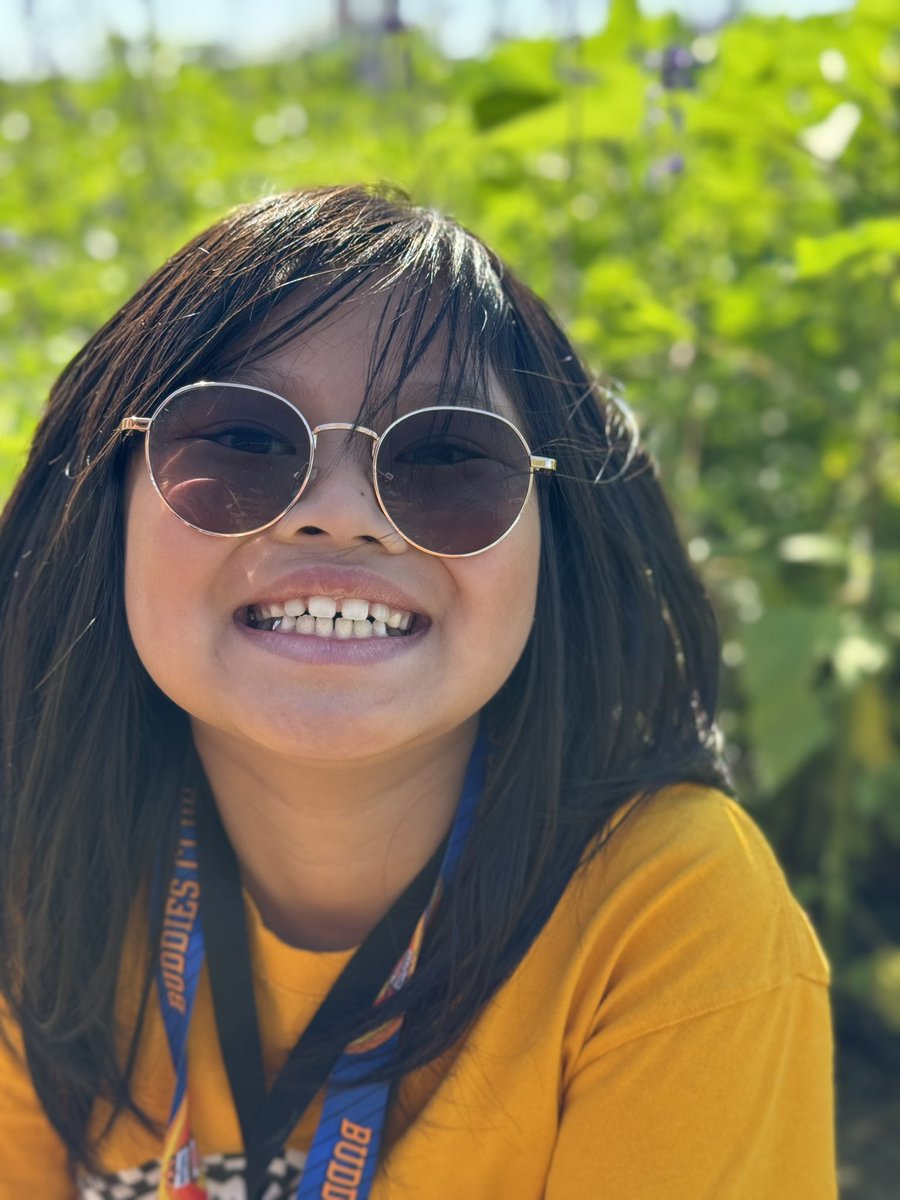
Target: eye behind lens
{"points": [[453, 480], [226, 458]]}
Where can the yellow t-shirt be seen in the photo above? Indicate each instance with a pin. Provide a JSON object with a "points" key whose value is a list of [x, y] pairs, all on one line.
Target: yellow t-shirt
{"points": [[667, 1037]]}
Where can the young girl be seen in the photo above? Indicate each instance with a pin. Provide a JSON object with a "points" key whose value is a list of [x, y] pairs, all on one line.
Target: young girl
{"points": [[364, 829]]}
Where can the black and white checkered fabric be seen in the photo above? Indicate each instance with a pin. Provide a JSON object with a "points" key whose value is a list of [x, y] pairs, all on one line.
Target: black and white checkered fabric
{"points": [[224, 1180]]}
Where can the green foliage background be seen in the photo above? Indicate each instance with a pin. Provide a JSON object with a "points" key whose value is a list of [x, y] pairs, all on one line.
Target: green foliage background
{"points": [[719, 229]]}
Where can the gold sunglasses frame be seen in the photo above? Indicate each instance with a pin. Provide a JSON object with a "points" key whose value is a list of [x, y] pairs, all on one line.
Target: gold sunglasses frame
{"points": [[144, 424]]}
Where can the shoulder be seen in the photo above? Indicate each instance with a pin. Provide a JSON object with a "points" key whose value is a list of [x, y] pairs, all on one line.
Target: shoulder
{"points": [[692, 862], [695, 1005], [684, 910]]}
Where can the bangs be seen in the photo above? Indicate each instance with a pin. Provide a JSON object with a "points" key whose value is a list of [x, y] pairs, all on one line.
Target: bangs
{"points": [[439, 298]]}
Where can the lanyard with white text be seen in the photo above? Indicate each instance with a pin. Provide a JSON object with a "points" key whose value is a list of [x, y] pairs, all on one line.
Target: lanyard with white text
{"points": [[342, 1159]]}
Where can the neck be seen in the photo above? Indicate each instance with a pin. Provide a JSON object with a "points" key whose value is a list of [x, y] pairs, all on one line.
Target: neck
{"points": [[324, 859]]}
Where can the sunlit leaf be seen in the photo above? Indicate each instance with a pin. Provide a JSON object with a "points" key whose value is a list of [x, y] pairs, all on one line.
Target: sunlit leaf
{"points": [[813, 548], [857, 655], [612, 109], [818, 256]]}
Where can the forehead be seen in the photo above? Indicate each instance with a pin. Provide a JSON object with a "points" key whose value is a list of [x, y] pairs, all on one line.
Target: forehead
{"points": [[367, 360]]}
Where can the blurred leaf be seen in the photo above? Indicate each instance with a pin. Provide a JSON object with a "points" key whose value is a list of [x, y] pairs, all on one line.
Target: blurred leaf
{"points": [[870, 733], [611, 109], [886, 990], [813, 548], [858, 655], [884, 12], [13, 452], [786, 720], [818, 256], [830, 138], [615, 286], [493, 108], [875, 980], [622, 25]]}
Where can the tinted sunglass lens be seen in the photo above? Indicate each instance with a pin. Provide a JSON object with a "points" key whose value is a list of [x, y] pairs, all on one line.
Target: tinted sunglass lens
{"points": [[228, 459], [452, 480]]}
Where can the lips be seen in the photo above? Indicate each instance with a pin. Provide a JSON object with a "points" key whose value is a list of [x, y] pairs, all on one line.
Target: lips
{"points": [[346, 604]]}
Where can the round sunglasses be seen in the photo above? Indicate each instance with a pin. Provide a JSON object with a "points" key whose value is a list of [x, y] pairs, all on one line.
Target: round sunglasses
{"points": [[231, 459]]}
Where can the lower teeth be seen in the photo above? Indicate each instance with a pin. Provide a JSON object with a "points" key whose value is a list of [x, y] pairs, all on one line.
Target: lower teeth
{"points": [[273, 624]]}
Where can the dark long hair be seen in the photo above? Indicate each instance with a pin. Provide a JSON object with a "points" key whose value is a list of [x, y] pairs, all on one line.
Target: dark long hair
{"points": [[613, 697]]}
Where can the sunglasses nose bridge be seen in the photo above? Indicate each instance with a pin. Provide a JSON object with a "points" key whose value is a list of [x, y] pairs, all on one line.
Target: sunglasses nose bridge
{"points": [[346, 425], [322, 511]]}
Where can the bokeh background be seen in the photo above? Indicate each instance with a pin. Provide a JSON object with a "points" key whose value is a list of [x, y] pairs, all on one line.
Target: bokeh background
{"points": [[709, 197]]}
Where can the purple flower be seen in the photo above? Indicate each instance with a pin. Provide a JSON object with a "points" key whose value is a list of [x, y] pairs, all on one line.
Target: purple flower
{"points": [[677, 68], [672, 164]]}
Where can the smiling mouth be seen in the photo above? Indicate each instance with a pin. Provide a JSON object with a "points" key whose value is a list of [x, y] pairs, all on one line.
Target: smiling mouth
{"points": [[323, 616]]}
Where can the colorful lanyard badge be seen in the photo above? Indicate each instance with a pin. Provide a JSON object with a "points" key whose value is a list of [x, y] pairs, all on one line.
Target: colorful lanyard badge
{"points": [[343, 1157]]}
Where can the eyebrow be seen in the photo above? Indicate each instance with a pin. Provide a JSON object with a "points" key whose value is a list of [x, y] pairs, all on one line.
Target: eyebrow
{"points": [[426, 392], [287, 386]]}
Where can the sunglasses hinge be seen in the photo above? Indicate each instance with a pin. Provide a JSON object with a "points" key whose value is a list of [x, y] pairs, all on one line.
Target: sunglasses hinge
{"points": [[542, 464]]}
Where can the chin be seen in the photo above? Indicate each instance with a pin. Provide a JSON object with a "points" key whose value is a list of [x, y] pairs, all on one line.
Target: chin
{"points": [[337, 736]]}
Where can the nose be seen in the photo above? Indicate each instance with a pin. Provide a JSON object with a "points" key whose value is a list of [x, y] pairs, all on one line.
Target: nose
{"points": [[338, 504]]}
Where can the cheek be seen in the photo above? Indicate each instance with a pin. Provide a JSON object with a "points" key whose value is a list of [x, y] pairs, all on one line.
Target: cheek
{"points": [[505, 590], [526, 581], [147, 589], [164, 573], [525, 546], [146, 566]]}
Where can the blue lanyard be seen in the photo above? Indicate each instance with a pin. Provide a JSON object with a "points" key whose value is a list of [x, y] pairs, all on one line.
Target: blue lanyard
{"points": [[344, 1154]]}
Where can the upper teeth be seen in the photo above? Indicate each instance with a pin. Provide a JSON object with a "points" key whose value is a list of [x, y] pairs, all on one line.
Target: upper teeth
{"points": [[351, 609]]}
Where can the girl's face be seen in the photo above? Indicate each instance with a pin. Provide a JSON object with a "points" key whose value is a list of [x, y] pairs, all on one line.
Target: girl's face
{"points": [[187, 593]]}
